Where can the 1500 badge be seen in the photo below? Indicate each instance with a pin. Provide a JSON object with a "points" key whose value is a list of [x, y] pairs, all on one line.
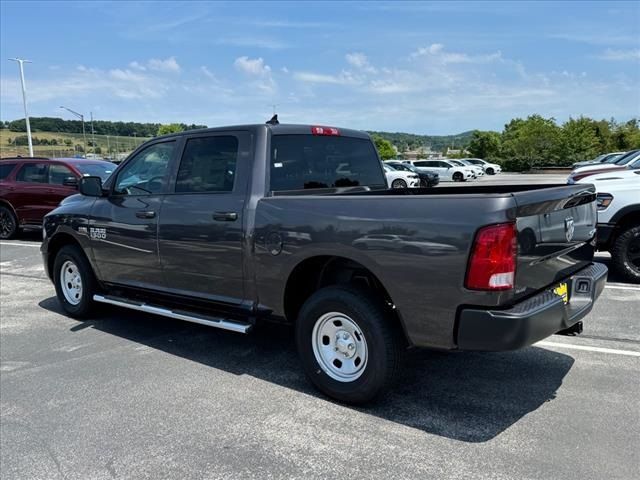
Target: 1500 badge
{"points": [[98, 233]]}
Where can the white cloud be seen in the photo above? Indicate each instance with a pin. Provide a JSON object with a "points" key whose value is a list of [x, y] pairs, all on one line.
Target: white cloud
{"points": [[252, 66], [208, 73], [619, 55], [258, 69], [254, 42], [360, 61], [167, 65], [344, 78], [436, 52]]}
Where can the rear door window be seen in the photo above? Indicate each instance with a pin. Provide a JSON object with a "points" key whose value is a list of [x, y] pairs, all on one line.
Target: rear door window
{"points": [[208, 165], [300, 162], [33, 173], [6, 169]]}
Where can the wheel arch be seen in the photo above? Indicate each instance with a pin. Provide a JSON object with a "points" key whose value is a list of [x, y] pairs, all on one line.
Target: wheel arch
{"points": [[56, 242], [314, 273], [6, 203]]}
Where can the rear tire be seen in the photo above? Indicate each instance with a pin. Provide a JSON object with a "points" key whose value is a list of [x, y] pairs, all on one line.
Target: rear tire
{"points": [[348, 346], [457, 177], [398, 184], [625, 254], [8, 223], [74, 281]]}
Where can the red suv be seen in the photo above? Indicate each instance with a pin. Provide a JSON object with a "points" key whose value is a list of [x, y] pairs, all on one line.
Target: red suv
{"points": [[32, 187]]}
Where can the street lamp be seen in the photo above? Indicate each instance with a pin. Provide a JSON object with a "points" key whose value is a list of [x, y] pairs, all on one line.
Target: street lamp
{"points": [[21, 63], [84, 136]]}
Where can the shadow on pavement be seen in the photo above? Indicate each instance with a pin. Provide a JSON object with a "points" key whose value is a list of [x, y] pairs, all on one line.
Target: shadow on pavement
{"points": [[470, 397]]}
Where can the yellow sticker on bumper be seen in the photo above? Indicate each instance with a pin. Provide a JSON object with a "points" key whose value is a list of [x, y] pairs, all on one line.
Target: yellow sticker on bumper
{"points": [[562, 291]]}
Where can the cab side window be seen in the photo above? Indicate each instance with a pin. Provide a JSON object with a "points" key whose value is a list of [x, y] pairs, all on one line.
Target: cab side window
{"points": [[208, 165], [59, 173], [33, 173], [147, 172]]}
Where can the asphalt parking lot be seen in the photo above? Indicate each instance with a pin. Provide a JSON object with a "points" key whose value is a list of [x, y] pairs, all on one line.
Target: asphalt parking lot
{"points": [[129, 395]]}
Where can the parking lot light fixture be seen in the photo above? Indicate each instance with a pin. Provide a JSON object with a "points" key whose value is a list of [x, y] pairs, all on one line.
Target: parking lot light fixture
{"points": [[21, 62], [84, 136]]}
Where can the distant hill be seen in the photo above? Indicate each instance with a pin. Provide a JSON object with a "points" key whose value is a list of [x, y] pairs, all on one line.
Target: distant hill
{"points": [[402, 141], [412, 141]]}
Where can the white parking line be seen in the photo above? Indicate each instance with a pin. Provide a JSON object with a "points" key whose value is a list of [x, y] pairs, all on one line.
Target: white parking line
{"points": [[629, 353], [623, 287], [20, 244]]}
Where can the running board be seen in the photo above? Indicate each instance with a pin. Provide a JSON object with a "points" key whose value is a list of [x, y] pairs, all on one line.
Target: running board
{"points": [[216, 322]]}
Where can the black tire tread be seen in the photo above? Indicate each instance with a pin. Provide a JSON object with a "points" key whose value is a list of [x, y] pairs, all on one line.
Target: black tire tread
{"points": [[368, 307], [618, 254], [15, 223], [89, 283]]}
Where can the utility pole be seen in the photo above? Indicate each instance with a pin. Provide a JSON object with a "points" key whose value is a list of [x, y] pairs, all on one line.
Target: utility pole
{"points": [[108, 147], [21, 63], [93, 135], [84, 135]]}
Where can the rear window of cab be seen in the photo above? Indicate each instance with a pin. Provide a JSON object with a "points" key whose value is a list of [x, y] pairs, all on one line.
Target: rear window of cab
{"points": [[302, 162]]}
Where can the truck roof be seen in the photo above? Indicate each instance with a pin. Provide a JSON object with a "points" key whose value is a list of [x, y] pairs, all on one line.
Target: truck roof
{"points": [[280, 129]]}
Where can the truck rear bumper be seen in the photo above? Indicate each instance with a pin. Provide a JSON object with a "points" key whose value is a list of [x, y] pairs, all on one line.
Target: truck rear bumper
{"points": [[533, 319]]}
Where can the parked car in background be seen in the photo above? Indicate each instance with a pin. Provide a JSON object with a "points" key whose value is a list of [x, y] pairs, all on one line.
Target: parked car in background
{"points": [[477, 170], [610, 166], [604, 158], [427, 178], [489, 168], [447, 171], [618, 200], [32, 187], [401, 178]]}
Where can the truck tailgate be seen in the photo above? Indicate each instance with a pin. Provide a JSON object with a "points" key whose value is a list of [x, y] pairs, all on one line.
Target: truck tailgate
{"points": [[556, 235]]}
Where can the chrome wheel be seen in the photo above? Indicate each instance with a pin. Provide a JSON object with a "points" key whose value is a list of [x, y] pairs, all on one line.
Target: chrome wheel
{"points": [[339, 347], [71, 282]]}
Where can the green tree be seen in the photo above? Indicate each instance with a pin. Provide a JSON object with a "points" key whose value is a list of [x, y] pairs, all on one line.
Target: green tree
{"points": [[579, 141], [170, 128], [485, 145], [530, 143], [384, 147]]}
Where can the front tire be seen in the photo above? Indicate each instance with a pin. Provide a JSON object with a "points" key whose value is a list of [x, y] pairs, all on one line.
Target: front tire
{"points": [[349, 347], [398, 184], [457, 177], [8, 223], [490, 171], [74, 281], [625, 254]]}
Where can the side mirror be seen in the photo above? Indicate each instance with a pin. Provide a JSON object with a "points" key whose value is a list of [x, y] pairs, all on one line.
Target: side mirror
{"points": [[91, 186], [70, 182]]}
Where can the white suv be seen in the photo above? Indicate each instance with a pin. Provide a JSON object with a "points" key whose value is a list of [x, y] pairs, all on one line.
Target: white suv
{"points": [[619, 219], [400, 178], [448, 172]]}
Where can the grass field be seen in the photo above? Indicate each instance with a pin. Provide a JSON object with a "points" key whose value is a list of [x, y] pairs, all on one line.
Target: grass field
{"points": [[108, 145]]}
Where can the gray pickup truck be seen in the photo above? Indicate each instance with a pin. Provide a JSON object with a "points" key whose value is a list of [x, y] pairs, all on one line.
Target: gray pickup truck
{"points": [[233, 226]]}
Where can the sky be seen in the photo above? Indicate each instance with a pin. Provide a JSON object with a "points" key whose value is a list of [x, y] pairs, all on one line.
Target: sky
{"points": [[428, 68]]}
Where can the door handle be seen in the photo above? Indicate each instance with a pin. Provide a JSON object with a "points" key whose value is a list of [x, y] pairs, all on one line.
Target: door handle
{"points": [[225, 216], [145, 214]]}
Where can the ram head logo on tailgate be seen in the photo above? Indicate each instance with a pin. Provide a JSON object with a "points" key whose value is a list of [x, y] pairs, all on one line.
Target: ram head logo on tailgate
{"points": [[569, 228]]}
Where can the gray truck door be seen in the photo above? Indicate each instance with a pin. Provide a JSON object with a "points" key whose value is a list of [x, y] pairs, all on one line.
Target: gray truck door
{"points": [[124, 225], [200, 233]]}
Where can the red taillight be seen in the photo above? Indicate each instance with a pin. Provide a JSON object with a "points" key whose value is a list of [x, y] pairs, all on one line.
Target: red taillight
{"points": [[492, 265], [325, 131]]}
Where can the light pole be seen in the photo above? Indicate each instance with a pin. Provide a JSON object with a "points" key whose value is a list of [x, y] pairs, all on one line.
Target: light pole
{"points": [[21, 63], [93, 135], [84, 136]]}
